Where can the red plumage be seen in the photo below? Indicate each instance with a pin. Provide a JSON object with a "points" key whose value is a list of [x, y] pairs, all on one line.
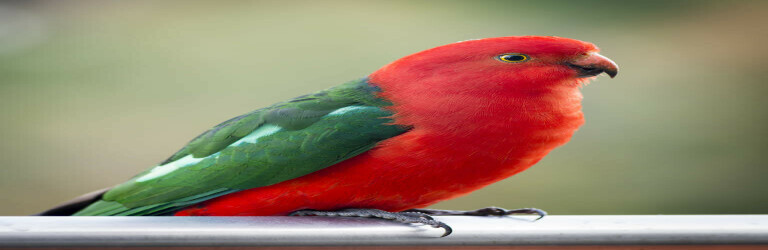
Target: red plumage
{"points": [[475, 121]]}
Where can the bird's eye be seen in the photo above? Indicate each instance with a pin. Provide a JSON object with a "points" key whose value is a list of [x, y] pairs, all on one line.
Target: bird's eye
{"points": [[512, 58]]}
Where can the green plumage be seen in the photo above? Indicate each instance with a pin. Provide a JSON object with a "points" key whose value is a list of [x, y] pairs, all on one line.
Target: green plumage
{"points": [[267, 146]]}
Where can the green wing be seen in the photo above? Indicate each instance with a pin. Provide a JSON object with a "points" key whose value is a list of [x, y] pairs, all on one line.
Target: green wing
{"points": [[261, 148]]}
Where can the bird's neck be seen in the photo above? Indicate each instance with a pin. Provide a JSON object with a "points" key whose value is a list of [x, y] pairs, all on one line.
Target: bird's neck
{"points": [[495, 115]]}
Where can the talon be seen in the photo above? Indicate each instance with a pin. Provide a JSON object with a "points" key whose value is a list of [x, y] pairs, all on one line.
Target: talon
{"points": [[438, 224], [448, 229], [539, 212]]}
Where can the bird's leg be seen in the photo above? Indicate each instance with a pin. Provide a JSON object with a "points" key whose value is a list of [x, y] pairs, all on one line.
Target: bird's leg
{"points": [[403, 217], [488, 211]]}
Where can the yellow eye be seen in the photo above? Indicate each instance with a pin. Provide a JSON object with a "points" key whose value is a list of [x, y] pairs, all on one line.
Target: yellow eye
{"points": [[512, 58]]}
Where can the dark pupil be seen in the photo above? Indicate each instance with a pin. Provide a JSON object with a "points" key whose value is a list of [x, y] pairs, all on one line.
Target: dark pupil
{"points": [[514, 58]]}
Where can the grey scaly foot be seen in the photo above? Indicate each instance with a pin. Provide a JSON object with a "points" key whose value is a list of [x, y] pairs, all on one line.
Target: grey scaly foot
{"points": [[403, 217], [488, 211]]}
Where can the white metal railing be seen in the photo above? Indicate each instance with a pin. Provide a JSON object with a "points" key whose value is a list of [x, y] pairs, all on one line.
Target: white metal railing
{"points": [[32, 231]]}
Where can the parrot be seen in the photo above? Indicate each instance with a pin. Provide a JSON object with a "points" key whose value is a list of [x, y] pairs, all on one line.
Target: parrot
{"points": [[430, 126]]}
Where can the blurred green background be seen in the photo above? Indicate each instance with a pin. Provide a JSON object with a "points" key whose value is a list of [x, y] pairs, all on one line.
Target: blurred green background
{"points": [[93, 92]]}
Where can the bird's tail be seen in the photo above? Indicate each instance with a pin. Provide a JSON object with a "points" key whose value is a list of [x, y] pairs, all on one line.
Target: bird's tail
{"points": [[73, 206]]}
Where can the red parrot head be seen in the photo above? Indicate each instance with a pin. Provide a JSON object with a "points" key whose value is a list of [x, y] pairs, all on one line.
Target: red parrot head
{"points": [[530, 62], [535, 79]]}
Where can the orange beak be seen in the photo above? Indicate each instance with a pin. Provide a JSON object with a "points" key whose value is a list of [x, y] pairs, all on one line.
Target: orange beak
{"points": [[594, 64]]}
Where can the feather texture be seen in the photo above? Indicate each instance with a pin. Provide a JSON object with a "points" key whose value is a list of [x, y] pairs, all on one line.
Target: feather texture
{"points": [[264, 147]]}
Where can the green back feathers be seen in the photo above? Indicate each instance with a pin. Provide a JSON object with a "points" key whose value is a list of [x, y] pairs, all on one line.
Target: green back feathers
{"points": [[294, 114], [261, 148]]}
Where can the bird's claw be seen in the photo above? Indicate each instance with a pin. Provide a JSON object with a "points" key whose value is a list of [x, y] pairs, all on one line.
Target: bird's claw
{"points": [[420, 216], [403, 217], [488, 211]]}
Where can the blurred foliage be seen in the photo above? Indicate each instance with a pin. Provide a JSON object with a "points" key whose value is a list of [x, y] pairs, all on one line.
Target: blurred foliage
{"points": [[93, 92]]}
